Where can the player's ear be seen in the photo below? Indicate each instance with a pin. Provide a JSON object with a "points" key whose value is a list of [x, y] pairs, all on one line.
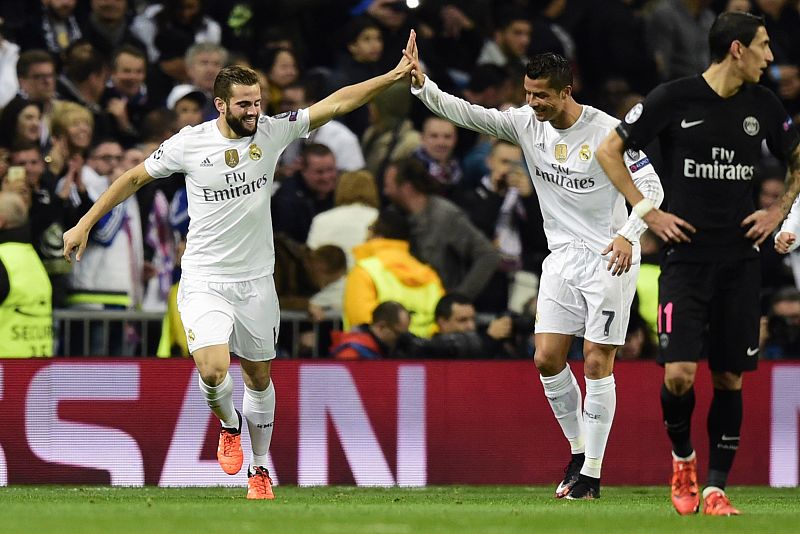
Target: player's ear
{"points": [[220, 105], [566, 92], [736, 49]]}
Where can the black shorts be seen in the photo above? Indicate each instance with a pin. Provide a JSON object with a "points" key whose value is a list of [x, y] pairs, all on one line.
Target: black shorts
{"points": [[710, 309]]}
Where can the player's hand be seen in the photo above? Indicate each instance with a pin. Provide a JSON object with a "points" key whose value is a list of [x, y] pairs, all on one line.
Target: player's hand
{"points": [[764, 222], [668, 227], [412, 55], [75, 241], [405, 66], [621, 256], [784, 242]]}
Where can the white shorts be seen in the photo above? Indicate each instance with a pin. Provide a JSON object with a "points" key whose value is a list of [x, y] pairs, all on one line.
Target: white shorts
{"points": [[579, 296], [244, 315]]}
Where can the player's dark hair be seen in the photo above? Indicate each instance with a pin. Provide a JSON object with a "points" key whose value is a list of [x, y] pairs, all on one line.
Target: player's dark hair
{"points": [[554, 67], [730, 27], [388, 312], [230, 76], [444, 308], [30, 58]]}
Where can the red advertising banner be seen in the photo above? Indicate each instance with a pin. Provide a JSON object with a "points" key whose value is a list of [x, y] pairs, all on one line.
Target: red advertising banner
{"points": [[409, 423]]}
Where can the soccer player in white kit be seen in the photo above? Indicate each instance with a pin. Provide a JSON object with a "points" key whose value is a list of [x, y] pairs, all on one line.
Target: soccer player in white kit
{"points": [[227, 297], [589, 279]]}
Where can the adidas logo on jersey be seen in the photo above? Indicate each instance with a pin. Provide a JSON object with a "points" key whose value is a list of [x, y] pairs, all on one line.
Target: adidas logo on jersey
{"points": [[206, 163]]}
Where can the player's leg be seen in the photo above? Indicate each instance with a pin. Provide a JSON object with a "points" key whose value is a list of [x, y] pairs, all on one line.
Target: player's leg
{"points": [[559, 316], [254, 340], [734, 329], [684, 299]]}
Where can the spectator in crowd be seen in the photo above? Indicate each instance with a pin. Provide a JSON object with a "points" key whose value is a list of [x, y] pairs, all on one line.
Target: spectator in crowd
{"points": [[126, 97], [386, 270], [54, 30], [9, 55], [391, 136], [203, 63], [334, 134], [107, 26], [439, 139], [21, 124], [376, 340], [25, 292], [441, 234], [677, 34], [72, 126], [305, 194], [776, 270], [282, 69], [188, 102], [783, 325], [355, 208], [328, 266], [395, 21], [36, 75], [83, 81], [510, 40]]}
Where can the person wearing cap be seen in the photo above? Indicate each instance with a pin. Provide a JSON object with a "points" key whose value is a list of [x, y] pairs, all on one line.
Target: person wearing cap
{"points": [[187, 101]]}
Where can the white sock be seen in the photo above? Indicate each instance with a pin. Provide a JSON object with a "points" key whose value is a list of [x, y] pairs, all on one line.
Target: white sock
{"points": [[220, 400], [564, 395], [258, 408], [598, 414]]}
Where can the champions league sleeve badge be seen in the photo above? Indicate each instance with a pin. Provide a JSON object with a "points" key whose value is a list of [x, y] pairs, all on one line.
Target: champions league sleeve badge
{"points": [[255, 152]]}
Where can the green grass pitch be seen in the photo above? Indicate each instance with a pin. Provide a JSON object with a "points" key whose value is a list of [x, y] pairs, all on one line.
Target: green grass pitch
{"points": [[463, 509]]}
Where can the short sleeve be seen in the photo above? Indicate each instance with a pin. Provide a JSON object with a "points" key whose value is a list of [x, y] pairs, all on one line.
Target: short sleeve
{"points": [[167, 159], [782, 133], [645, 120], [286, 127]]}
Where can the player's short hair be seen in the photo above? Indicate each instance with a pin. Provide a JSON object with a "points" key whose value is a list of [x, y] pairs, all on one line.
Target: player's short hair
{"points": [[356, 187], [730, 27], [230, 76], [552, 66], [392, 224], [29, 58], [332, 257], [388, 312], [444, 308], [412, 171]]}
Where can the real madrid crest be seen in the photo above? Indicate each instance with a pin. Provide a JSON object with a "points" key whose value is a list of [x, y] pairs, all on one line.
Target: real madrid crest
{"points": [[585, 153], [255, 152], [751, 125], [561, 152], [190, 335], [232, 157]]}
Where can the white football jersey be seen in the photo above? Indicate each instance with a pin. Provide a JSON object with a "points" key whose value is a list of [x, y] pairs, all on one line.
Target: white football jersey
{"points": [[578, 201], [228, 185]]}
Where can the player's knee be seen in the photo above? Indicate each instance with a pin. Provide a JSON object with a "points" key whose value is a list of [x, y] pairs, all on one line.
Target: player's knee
{"points": [[548, 364], [211, 374], [679, 383]]}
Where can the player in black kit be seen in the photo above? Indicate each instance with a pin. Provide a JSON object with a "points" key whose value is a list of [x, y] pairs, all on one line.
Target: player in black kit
{"points": [[711, 129]]}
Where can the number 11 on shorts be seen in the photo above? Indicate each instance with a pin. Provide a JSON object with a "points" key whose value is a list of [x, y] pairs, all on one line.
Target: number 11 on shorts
{"points": [[667, 311]]}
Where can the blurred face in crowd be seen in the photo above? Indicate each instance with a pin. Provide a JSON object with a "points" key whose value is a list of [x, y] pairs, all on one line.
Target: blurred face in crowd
{"points": [[243, 109], [390, 333], [79, 133], [462, 319], [516, 37], [319, 173], [368, 46], [203, 70], [284, 69], [771, 191], [755, 59], [109, 11], [129, 74], [40, 82], [293, 98], [33, 162], [61, 8], [738, 5], [188, 10], [189, 112], [547, 102], [4, 160], [29, 124], [106, 158], [439, 138], [131, 158], [502, 159]]}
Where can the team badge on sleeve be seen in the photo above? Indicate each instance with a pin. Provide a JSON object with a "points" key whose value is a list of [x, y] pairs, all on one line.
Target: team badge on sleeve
{"points": [[255, 152], [232, 157]]}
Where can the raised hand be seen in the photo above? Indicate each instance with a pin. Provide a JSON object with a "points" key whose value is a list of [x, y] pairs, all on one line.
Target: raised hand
{"points": [[412, 55], [405, 65]]}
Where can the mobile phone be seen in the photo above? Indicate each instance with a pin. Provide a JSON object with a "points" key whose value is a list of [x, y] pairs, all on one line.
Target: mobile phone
{"points": [[16, 173]]}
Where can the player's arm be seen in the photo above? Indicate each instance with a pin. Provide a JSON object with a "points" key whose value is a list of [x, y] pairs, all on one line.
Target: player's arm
{"points": [[354, 96], [765, 221], [123, 187], [665, 225], [458, 111]]}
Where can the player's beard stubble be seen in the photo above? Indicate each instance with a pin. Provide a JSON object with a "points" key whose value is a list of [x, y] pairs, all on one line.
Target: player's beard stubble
{"points": [[238, 125]]}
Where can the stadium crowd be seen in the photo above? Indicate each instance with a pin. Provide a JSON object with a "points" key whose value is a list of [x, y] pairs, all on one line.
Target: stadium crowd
{"points": [[425, 239]]}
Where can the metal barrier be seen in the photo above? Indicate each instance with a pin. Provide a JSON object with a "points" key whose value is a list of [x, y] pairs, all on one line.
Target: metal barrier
{"points": [[94, 327]]}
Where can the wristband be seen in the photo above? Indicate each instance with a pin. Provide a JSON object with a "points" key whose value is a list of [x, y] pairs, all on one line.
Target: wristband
{"points": [[643, 207]]}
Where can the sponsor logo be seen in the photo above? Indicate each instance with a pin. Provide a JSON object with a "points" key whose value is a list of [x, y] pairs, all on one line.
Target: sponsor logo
{"points": [[634, 113], [686, 124], [632, 154], [238, 186], [232, 157], [206, 162], [721, 168], [540, 146], [585, 154], [560, 152], [639, 164], [255, 152], [751, 125], [281, 115], [752, 352], [723, 437], [561, 177]]}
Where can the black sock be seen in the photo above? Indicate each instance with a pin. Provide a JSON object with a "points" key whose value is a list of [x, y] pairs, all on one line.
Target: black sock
{"points": [[678, 419], [724, 425]]}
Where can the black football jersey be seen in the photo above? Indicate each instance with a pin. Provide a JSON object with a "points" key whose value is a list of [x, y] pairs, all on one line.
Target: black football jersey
{"points": [[711, 147]]}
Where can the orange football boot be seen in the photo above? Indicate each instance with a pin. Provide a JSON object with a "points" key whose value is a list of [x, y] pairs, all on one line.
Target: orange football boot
{"points": [[229, 449], [715, 502], [685, 492], [259, 484]]}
